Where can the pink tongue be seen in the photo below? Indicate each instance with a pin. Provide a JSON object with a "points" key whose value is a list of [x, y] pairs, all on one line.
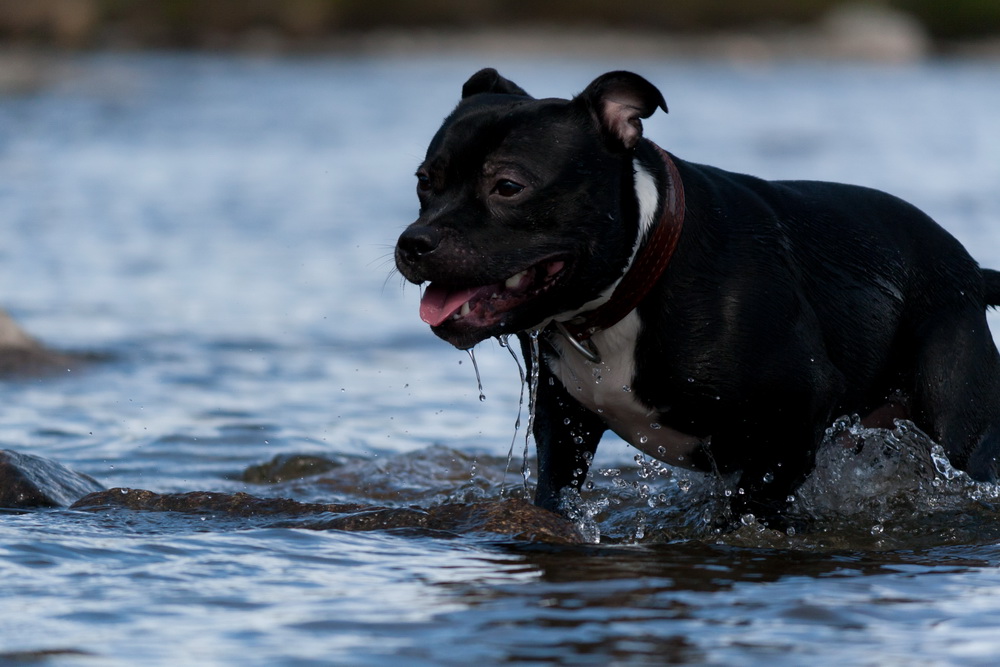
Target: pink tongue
{"points": [[439, 303]]}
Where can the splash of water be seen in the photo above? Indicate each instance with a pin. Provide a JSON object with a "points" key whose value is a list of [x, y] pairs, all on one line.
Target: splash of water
{"points": [[584, 513], [871, 488]]}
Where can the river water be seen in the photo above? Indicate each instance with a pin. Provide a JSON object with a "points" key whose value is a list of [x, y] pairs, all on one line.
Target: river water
{"points": [[220, 229]]}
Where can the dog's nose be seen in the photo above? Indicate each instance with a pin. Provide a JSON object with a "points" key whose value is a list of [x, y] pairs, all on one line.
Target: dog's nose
{"points": [[417, 241]]}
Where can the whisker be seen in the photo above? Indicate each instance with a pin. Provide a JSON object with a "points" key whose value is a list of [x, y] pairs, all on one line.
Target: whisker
{"points": [[394, 272], [383, 261], [387, 256]]}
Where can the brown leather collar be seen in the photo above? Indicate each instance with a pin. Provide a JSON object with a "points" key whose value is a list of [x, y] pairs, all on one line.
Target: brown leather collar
{"points": [[645, 271]]}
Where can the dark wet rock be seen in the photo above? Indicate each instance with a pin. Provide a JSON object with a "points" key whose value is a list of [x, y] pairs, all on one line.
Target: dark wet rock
{"points": [[28, 481], [233, 504], [286, 467], [515, 519], [374, 518]]}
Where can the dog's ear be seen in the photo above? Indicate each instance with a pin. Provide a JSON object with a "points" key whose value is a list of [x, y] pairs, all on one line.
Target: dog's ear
{"points": [[489, 81], [619, 100]]}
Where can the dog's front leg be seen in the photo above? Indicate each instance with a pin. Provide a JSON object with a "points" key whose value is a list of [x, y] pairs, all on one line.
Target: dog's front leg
{"points": [[566, 434]]}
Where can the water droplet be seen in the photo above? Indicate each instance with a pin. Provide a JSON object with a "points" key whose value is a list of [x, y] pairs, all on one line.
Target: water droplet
{"points": [[791, 531], [748, 519], [690, 379], [655, 426], [790, 499], [768, 478], [643, 440], [878, 529], [626, 388]]}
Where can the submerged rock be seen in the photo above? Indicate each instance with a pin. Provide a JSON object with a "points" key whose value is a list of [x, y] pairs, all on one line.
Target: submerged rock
{"points": [[28, 481], [286, 467], [511, 518]]}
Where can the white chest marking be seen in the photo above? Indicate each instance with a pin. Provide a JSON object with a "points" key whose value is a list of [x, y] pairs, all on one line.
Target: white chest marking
{"points": [[605, 388]]}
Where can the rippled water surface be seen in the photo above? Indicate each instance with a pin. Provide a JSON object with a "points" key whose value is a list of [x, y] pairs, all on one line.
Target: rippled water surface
{"points": [[221, 229]]}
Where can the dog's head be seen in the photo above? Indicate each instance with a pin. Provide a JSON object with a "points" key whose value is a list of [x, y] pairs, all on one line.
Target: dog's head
{"points": [[527, 206]]}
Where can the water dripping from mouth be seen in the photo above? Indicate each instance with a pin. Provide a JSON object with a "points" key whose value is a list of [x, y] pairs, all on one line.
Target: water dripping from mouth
{"points": [[505, 343], [479, 380], [532, 402], [531, 380]]}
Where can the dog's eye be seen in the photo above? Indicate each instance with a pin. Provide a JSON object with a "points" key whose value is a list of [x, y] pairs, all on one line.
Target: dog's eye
{"points": [[507, 188], [423, 183]]}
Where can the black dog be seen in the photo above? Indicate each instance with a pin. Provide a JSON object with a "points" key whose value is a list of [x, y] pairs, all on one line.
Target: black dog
{"points": [[715, 321]]}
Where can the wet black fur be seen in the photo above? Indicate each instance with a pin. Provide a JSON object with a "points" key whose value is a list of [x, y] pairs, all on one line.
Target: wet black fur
{"points": [[786, 305]]}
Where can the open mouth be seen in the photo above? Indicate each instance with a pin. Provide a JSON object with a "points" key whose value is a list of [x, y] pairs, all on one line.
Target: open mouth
{"points": [[486, 305]]}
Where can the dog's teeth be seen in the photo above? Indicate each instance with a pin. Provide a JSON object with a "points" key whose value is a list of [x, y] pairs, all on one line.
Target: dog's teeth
{"points": [[466, 309], [515, 280]]}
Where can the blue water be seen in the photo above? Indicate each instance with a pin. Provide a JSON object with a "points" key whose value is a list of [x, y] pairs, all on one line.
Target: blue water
{"points": [[222, 227]]}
